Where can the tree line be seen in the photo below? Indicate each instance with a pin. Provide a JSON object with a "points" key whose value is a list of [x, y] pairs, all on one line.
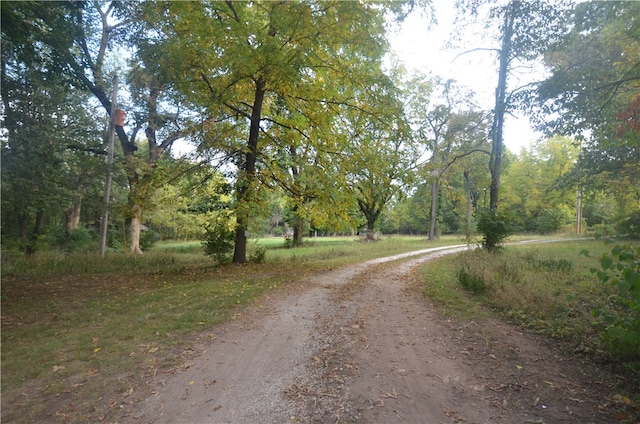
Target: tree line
{"points": [[294, 117]]}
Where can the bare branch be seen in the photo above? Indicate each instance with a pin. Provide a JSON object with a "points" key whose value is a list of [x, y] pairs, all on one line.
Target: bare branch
{"points": [[461, 156], [479, 49], [86, 149]]}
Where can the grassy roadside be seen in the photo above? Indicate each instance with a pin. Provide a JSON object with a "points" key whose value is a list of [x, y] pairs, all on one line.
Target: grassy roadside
{"points": [[547, 288], [81, 335]]}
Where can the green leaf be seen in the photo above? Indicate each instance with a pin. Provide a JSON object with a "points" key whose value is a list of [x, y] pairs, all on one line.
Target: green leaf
{"points": [[603, 276], [633, 278], [606, 262], [584, 252]]}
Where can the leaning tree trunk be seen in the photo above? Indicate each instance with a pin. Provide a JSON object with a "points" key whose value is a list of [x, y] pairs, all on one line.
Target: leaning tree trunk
{"points": [[495, 162]]}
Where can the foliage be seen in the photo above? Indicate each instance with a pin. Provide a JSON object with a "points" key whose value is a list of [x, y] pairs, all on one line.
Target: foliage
{"points": [[219, 240], [77, 240], [51, 152], [630, 226], [539, 185], [75, 45], [620, 323], [259, 255], [495, 227], [592, 91]]}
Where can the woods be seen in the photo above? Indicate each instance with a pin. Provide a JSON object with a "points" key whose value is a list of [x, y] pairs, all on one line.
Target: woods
{"points": [[270, 146], [291, 113]]}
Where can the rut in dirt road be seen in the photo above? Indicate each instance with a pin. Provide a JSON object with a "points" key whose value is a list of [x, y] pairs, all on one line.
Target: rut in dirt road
{"points": [[353, 345]]}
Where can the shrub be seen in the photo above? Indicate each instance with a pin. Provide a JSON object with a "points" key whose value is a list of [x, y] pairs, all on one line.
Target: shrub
{"points": [[620, 325], [550, 221], [495, 227], [78, 240], [630, 226], [561, 265], [148, 238], [218, 241], [259, 256]]}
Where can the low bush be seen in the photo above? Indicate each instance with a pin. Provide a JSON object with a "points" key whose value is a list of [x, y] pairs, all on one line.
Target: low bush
{"points": [[495, 227], [630, 226], [620, 317], [258, 256], [219, 241]]}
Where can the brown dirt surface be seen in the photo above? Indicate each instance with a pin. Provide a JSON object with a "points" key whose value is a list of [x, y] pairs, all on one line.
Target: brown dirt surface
{"points": [[361, 344]]}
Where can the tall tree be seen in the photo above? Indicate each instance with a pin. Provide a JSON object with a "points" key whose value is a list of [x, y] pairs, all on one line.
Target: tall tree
{"points": [[381, 162], [244, 61], [451, 128], [526, 29], [51, 150], [79, 38], [593, 92]]}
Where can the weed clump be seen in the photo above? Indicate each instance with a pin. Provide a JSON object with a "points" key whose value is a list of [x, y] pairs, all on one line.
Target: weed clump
{"points": [[471, 280], [536, 291], [620, 318]]}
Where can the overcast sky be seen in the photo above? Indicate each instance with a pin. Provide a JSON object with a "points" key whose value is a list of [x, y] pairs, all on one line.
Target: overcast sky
{"points": [[422, 48]]}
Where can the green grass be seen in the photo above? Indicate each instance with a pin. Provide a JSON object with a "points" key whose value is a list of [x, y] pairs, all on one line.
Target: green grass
{"points": [[89, 329], [545, 287], [83, 331]]}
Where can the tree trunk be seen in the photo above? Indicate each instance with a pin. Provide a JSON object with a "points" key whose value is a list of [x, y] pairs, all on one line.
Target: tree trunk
{"points": [[246, 176], [32, 246], [73, 216], [298, 227], [467, 190], [495, 162], [434, 209], [134, 231]]}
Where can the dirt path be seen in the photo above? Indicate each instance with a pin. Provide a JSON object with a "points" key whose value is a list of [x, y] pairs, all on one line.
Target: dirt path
{"points": [[360, 345]]}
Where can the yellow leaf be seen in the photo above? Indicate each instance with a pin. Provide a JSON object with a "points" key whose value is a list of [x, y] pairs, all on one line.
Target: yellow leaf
{"points": [[98, 349], [192, 383]]}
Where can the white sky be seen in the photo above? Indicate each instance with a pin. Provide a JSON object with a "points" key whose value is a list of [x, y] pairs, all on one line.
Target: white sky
{"points": [[422, 48]]}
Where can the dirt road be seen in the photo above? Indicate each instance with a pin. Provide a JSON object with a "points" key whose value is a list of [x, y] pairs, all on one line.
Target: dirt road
{"points": [[360, 344]]}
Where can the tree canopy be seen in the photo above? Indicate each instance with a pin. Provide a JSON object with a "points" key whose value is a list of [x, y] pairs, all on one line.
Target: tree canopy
{"points": [[297, 116]]}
